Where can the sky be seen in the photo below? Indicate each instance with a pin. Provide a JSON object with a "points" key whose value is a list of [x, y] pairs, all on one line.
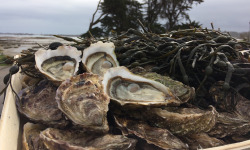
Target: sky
{"points": [[74, 16]]}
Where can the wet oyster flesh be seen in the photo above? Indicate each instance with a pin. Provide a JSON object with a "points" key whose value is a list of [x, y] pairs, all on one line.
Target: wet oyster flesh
{"points": [[58, 64], [126, 88], [99, 57]]}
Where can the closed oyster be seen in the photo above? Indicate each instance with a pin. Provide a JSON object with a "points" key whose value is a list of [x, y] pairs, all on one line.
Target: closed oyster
{"points": [[82, 100], [31, 138], [157, 136], [58, 64], [38, 103], [99, 57], [126, 88], [56, 139], [182, 121], [201, 140]]}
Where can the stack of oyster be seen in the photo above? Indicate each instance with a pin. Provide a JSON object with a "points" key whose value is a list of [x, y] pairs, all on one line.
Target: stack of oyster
{"points": [[111, 107]]}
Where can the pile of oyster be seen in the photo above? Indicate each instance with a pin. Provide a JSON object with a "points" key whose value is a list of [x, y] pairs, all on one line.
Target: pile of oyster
{"points": [[111, 107]]}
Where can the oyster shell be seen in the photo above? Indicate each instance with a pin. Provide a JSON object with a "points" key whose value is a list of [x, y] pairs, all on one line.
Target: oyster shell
{"points": [[183, 121], [58, 64], [157, 136], [183, 92], [82, 100], [125, 87], [31, 139], [201, 140], [56, 139], [99, 57], [38, 103]]}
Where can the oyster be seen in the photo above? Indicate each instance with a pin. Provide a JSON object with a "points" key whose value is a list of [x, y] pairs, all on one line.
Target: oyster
{"points": [[56, 139], [31, 139], [183, 121], [58, 64], [38, 103], [99, 57], [229, 124], [201, 140], [125, 87], [183, 92], [82, 100], [179, 121], [157, 136]]}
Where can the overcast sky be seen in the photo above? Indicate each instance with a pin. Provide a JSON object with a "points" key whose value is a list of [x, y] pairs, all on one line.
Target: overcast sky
{"points": [[73, 16]]}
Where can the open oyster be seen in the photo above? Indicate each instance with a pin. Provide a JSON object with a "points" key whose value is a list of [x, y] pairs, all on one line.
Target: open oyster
{"points": [[157, 136], [38, 103], [58, 64], [99, 57], [82, 100], [125, 87], [56, 139], [31, 138]]}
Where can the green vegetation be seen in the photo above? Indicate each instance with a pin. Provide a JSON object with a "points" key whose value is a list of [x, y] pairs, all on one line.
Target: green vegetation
{"points": [[4, 59], [116, 17]]}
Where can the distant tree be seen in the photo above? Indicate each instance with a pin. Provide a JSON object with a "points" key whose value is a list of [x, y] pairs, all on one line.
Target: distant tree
{"points": [[152, 11], [120, 15], [175, 10], [187, 25]]}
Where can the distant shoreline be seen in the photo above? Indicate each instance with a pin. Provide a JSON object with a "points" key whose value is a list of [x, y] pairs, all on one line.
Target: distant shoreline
{"points": [[31, 34]]}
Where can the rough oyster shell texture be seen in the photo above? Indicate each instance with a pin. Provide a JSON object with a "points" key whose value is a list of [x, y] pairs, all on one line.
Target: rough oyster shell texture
{"points": [[38, 103], [58, 64], [31, 139], [127, 88], [157, 136], [82, 100], [99, 57], [56, 139]]}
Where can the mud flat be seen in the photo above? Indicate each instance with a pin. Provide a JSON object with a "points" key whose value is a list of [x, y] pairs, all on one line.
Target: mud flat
{"points": [[13, 44]]}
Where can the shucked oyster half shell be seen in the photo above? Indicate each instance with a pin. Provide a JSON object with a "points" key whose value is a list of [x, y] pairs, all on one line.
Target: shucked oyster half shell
{"points": [[58, 64], [82, 100], [99, 57], [125, 87], [56, 139]]}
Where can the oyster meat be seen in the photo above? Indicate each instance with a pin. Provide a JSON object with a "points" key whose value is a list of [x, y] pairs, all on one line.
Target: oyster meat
{"points": [[31, 138], [82, 100], [99, 57], [125, 87], [56, 139], [157, 136], [59, 64], [38, 103]]}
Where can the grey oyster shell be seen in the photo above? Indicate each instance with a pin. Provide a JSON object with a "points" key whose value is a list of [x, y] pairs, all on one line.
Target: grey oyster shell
{"points": [[38, 103], [31, 139], [82, 100], [157, 136], [56, 139]]}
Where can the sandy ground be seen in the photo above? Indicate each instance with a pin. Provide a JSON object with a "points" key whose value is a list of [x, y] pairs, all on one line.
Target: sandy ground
{"points": [[12, 45]]}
